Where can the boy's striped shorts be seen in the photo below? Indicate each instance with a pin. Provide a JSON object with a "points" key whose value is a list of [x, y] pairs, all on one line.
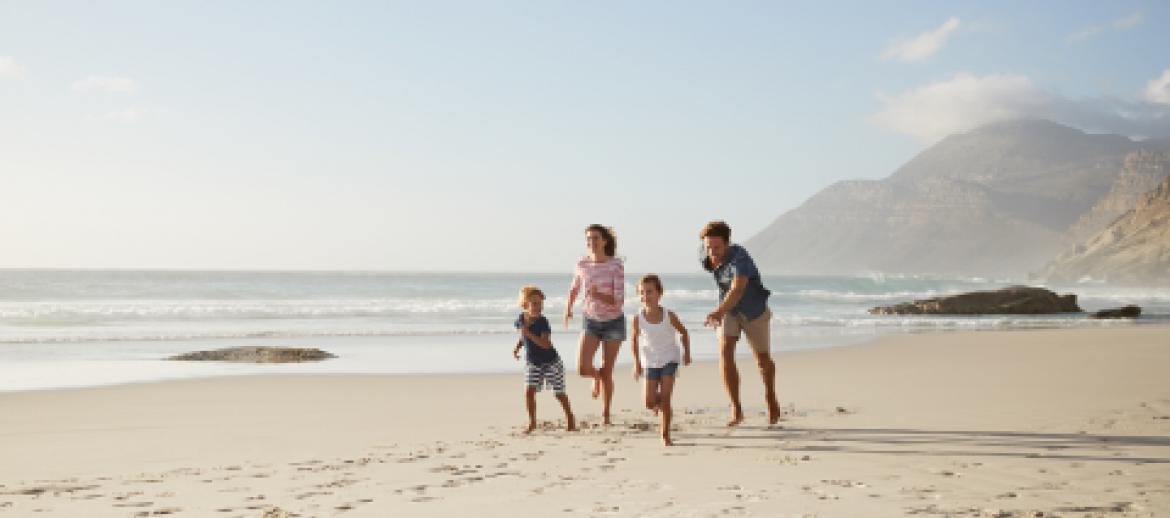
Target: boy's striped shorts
{"points": [[552, 375]]}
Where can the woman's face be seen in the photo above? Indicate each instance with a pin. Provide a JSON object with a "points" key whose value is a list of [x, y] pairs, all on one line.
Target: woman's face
{"points": [[595, 242]]}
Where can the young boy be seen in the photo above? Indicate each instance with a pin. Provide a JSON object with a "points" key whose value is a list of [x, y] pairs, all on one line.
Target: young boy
{"points": [[654, 346], [544, 367]]}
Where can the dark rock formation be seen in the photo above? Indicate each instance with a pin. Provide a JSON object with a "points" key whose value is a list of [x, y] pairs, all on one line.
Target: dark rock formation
{"points": [[256, 355], [1015, 300], [1125, 312]]}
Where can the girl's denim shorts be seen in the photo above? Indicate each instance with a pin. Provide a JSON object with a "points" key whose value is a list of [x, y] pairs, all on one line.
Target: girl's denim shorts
{"points": [[607, 330]]}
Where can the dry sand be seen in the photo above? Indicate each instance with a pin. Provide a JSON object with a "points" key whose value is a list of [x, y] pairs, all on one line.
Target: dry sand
{"points": [[1023, 423]]}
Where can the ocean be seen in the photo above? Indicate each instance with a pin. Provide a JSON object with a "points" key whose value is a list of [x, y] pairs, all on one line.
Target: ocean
{"points": [[62, 328]]}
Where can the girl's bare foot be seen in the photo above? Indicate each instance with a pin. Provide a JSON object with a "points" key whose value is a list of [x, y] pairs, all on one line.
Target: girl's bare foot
{"points": [[666, 441], [572, 426], [531, 427], [605, 420], [597, 386]]}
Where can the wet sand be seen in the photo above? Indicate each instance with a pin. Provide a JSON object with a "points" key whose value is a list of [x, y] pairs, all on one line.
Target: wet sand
{"points": [[1020, 423]]}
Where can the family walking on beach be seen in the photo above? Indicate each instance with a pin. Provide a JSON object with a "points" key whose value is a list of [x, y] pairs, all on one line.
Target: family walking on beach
{"points": [[599, 279]]}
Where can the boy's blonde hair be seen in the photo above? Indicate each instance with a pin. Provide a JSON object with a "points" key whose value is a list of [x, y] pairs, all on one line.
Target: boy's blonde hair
{"points": [[529, 291], [651, 279]]}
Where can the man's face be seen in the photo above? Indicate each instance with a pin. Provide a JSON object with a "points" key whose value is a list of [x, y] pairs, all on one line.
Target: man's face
{"points": [[716, 247]]}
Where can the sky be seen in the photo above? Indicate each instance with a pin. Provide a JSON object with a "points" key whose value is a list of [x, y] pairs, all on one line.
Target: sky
{"points": [[484, 136]]}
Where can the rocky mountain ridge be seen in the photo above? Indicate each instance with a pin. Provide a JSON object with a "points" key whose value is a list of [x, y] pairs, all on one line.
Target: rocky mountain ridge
{"points": [[1133, 249], [997, 201]]}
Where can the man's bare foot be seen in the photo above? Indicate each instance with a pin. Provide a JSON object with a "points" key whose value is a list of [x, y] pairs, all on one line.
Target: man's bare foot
{"points": [[774, 415], [597, 387], [667, 441], [736, 417], [531, 427], [572, 427]]}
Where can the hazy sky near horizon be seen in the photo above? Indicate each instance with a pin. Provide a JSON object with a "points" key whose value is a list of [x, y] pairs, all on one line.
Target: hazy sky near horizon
{"points": [[485, 135]]}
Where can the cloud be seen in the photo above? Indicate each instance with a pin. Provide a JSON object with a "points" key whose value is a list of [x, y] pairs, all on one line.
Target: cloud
{"points": [[1121, 24], [922, 46], [966, 101], [1128, 22], [10, 68], [120, 85], [1158, 89]]}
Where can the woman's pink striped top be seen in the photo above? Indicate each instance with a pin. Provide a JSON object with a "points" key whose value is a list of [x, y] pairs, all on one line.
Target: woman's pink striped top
{"points": [[610, 279]]}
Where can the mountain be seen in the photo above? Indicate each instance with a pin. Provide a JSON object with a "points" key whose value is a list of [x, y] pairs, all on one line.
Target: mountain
{"points": [[1133, 249], [996, 201], [1141, 172]]}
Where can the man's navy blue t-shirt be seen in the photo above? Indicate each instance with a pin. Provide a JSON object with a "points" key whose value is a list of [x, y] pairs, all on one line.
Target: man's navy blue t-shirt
{"points": [[534, 353], [737, 263]]}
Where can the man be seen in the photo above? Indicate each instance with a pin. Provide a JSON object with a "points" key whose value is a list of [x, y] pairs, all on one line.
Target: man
{"points": [[743, 309]]}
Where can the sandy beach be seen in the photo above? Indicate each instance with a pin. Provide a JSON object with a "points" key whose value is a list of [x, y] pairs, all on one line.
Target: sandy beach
{"points": [[1020, 423]]}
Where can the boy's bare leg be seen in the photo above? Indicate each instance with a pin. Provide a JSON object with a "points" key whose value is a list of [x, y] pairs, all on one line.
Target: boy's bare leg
{"points": [[768, 374], [730, 376], [667, 389], [609, 357], [530, 402], [572, 422], [586, 350]]}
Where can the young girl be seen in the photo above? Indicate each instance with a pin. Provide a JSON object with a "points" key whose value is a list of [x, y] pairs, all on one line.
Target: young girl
{"points": [[654, 347], [603, 278]]}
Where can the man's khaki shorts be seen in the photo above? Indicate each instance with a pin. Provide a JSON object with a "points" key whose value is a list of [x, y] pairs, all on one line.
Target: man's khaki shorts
{"points": [[758, 331]]}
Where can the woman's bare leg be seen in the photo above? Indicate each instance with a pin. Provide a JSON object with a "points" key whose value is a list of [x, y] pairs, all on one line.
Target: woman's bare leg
{"points": [[609, 357], [585, 353]]}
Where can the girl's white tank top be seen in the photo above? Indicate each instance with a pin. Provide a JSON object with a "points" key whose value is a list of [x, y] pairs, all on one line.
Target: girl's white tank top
{"points": [[657, 346]]}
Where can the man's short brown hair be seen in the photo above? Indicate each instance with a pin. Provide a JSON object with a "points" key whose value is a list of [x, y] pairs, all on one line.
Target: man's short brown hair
{"points": [[716, 228]]}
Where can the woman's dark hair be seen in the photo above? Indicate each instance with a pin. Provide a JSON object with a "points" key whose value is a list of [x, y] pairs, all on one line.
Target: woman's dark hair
{"points": [[608, 235]]}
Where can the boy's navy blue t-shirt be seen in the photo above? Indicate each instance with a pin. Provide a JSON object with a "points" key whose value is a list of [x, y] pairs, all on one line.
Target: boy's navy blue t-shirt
{"points": [[535, 353]]}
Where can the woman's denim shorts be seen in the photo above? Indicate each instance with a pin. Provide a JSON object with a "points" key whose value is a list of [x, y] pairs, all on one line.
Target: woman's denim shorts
{"points": [[607, 330]]}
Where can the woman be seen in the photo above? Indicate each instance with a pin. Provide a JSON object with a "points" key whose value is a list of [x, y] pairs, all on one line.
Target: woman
{"points": [[603, 278]]}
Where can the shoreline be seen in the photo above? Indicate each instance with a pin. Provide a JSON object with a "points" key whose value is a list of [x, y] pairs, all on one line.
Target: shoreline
{"points": [[61, 366], [948, 424]]}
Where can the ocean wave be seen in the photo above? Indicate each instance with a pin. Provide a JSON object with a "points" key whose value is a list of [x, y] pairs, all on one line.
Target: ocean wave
{"points": [[83, 311], [165, 336], [855, 297]]}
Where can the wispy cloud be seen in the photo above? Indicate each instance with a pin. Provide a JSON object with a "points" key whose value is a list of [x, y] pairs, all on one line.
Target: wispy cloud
{"points": [[922, 46], [1158, 89], [1121, 24], [966, 101], [120, 85], [10, 68]]}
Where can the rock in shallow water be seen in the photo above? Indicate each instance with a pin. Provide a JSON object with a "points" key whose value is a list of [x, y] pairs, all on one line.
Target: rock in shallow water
{"points": [[256, 355], [1014, 300], [1125, 312]]}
